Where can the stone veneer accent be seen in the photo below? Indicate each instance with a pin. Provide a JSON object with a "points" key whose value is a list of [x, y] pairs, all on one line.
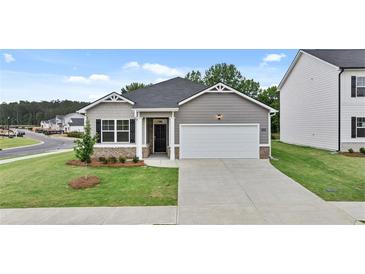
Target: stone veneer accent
{"points": [[177, 150], [127, 152], [264, 152], [355, 146]]}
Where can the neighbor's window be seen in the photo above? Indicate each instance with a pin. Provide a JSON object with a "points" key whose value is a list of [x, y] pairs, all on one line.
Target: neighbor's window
{"points": [[360, 86], [123, 131], [107, 131], [360, 127]]}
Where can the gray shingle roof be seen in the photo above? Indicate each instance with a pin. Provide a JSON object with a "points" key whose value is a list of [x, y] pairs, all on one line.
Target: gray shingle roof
{"points": [[165, 94], [343, 58], [76, 122]]}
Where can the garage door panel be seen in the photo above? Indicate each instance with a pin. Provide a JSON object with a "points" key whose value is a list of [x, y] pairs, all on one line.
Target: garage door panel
{"points": [[219, 141]]}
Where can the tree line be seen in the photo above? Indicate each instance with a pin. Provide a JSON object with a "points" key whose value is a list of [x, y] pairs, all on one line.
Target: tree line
{"points": [[231, 76], [32, 113]]}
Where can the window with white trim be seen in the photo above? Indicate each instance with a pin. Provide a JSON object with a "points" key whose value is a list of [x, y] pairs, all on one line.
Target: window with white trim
{"points": [[360, 86], [360, 126], [113, 131]]}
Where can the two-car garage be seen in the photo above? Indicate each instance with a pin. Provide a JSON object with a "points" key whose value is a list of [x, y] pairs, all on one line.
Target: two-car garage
{"points": [[219, 141]]}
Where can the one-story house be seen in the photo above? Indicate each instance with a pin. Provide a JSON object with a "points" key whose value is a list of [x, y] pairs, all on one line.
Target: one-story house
{"points": [[182, 119]]}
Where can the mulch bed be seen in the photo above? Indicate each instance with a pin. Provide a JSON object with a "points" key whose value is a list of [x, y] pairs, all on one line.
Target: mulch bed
{"points": [[84, 182], [354, 154], [96, 163]]}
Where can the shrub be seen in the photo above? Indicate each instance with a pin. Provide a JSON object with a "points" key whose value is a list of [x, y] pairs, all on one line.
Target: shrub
{"points": [[362, 150], [105, 161], [351, 150], [75, 134], [122, 159], [135, 159], [112, 160], [101, 159]]}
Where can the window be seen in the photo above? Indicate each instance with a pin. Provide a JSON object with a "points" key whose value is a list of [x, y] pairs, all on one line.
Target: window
{"points": [[123, 131], [360, 86], [360, 127], [115, 131], [107, 131]]}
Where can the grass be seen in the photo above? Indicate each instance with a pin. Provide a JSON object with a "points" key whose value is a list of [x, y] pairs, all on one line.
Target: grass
{"points": [[43, 182], [331, 176], [6, 142]]}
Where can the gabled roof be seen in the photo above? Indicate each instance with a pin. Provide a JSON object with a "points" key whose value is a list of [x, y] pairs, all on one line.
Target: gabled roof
{"points": [[113, 97], [223, 88], [342, 58], [338, 58], [165, 94]]}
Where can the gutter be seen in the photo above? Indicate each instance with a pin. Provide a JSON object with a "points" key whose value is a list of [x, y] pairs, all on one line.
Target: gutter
{"points": [[339, 109]]}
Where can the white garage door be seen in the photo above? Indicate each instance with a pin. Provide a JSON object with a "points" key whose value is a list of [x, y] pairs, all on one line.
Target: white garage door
{"points": [[219, 141]]}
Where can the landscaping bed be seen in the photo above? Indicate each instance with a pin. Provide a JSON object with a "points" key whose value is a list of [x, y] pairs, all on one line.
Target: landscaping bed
{"points": [[84, 182], [353, 154], [96, 163]]}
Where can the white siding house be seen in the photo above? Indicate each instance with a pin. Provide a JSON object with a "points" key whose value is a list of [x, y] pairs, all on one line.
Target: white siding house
{"points": [[311, 112]]}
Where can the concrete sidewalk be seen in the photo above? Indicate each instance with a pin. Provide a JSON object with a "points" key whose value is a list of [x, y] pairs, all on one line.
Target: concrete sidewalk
{"points": [[10, 160], [355, 209], [147, 215]]}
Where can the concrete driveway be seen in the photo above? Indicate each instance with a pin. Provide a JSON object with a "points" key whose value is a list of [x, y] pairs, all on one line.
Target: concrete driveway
{"points": [[240, 191]]}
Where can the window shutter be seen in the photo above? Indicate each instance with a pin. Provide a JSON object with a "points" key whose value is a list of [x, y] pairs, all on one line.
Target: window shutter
{"points": [[353, 86], [98, 130], [353, 127], [132, 131]]}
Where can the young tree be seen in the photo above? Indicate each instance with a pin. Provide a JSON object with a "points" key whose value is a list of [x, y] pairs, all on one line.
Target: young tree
{"points": [[85, 147], [133, 86]]}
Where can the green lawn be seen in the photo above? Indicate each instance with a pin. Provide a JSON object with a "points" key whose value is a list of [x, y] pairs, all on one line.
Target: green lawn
{"points": [[6, 142], [333, 177], [43, 182]]}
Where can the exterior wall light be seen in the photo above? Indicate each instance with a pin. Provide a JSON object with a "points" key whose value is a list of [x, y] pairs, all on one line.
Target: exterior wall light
{"points": [[219, 116]]}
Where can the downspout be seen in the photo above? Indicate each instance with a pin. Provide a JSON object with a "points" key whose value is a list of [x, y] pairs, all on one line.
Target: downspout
{"points": [[339, 109]]}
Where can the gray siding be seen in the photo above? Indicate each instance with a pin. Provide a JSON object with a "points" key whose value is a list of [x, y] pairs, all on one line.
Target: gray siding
{"points": [[235, 109], [109, 111]]}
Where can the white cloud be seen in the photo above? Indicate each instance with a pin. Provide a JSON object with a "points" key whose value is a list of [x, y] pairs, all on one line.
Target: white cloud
{"points": [[99, 77], [274, 57], [155, 68], [131, 65], [87, 80], [162, 69], [8, 58]]}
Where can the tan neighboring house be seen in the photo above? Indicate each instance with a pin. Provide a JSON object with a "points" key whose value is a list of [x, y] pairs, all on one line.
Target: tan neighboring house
{"points": [[181, 119], [322, 100]]}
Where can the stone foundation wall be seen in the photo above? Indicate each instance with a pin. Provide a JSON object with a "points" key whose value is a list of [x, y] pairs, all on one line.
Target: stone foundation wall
{"points": [[127, 152], [355, 146], [264, 152]]}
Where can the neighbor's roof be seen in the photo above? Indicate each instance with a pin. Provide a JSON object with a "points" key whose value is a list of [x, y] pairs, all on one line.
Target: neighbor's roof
{"points": [[165, 94], [342, 58], [76, 122]]}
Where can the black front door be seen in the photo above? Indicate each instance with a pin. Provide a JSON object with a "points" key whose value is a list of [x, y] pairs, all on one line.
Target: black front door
{"points": [[160, 138]]}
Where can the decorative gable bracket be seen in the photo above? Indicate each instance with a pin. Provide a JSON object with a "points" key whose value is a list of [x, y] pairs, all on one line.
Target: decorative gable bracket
{"points": [[220, 88]]}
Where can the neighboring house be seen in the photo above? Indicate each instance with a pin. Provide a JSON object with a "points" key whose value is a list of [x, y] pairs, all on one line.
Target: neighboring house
{"points": [[322, 100], [67, 123], [183, 119]]}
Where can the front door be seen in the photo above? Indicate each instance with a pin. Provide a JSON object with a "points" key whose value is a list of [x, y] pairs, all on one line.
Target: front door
{"points": [[160, 138]]}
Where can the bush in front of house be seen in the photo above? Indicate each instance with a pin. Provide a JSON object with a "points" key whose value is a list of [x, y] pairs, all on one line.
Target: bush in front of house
{"points": [[101, 159], [135, 159], [362, 150], [112, 160], [75, 134], [351, 150], [122, 159]]}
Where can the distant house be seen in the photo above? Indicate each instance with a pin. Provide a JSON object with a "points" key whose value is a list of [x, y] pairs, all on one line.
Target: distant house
{"points": [[67, 123], [322, 100]]}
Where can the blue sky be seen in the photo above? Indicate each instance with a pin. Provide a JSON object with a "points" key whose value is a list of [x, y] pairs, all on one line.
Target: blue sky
{"points": [[86, 75]]}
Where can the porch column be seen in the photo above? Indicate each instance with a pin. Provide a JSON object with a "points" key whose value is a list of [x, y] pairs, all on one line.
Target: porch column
{"points": [[172, 136], [139, 137]]}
